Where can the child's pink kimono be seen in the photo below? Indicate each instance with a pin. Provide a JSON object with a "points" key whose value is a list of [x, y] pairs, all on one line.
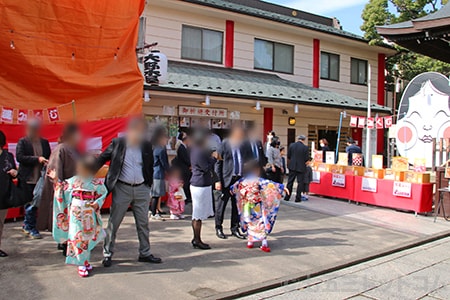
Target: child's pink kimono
{"points": [[176, 197]]}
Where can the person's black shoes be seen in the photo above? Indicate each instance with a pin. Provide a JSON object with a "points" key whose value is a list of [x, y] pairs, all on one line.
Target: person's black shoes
{"points": [[286, 199], [3, 253], [107, 262], [220, 234], [150, 259], [298, 200], [201, 245], [237, 234]]}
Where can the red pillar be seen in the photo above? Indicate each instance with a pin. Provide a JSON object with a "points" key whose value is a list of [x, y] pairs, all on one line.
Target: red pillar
{"points": [[316, 63], [357, 134], [268, 121], [229, 44], [380, 97]]}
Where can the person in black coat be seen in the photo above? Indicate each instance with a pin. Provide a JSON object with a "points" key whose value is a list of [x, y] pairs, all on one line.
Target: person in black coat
{"points": [[352, 148], [229, 169], [297, 157], [183, 162], [129, 178], [324, 147], [203, 159], [32, 153], [253, 148], [7, 173]]}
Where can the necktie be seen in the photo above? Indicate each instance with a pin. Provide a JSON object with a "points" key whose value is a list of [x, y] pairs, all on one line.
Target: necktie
{"points": [[236, 162], [255, 151]]}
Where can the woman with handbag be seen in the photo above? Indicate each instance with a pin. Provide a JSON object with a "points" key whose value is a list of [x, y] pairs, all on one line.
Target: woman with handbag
{"points": [[7, 173], [275, 161]]}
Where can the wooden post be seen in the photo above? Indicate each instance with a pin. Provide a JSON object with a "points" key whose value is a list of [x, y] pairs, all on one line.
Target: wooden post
{"points": [[433, 155], [74, 111]]}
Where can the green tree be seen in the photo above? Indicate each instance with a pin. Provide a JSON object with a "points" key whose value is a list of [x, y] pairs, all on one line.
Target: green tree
{"points": [[406, 64]]}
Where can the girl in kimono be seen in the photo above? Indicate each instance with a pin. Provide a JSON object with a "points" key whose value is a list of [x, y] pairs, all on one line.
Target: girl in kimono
{"points": [[177, 197], [258, 201], [77, 218]]}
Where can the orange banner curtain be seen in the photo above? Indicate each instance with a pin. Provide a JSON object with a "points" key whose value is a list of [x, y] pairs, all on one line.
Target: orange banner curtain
{"points": [[56, 51]]}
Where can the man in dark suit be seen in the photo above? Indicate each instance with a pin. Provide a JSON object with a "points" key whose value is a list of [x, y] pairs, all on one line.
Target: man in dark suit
{"points": [[229, 169], [32, 153], [297, 157], [183, 162], [129, 178], [253, 148], [351, 148]]}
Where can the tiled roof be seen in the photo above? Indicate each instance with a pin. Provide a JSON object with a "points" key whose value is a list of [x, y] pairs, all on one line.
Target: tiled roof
{"points": [[219, 81], [239, 8]]}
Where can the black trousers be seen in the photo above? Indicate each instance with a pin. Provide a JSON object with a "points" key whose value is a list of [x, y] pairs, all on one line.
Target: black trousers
{"points": [[276, 176], [222, 205], [186, 184], [300, 176]]}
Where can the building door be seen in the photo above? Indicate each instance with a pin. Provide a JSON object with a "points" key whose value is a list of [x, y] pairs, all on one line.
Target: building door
{"points": [[290, 136]]}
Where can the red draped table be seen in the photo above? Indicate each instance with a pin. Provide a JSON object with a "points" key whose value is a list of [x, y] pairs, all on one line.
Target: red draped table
{"points": [[379, 192], [326, 188]]}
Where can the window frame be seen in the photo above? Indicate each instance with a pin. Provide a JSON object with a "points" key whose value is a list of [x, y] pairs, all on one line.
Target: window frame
{"points": [[358, 60], [201, 49], [273, 56], [329, 54]]}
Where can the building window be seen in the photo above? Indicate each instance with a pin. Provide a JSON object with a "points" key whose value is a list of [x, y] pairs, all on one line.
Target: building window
{"points": [[329, 66], [359, 71], [201, 44], [274, 56]]}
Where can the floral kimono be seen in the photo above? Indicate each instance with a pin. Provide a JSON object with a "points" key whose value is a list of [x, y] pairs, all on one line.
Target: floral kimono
{"points": [[176, 200], [258, 201], [74, 220]]}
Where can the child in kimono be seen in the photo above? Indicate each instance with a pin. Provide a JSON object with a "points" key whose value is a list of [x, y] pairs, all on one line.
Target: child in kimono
{"points": [[258, 201], [77, 218], [177, 197]]}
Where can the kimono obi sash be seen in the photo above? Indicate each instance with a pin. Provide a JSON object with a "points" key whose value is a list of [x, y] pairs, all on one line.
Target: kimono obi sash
{"points": [[81, 195]]}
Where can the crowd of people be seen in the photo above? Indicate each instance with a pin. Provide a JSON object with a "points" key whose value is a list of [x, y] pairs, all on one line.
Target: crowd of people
{"points": [[62, 195]]}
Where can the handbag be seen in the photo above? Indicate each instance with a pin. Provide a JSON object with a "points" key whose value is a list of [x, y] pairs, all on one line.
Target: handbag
{"points": [[180, 195], [16, 196]]}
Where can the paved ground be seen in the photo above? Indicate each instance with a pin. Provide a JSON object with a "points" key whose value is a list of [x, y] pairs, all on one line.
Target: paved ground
{"points": [[418, 273], [308, 238]]}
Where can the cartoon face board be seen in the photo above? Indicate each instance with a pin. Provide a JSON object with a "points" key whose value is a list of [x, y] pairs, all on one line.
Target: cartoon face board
{"points": [[423, 116]]}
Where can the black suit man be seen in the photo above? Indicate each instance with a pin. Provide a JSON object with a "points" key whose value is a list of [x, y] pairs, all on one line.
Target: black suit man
{"points": [[183, 162], [129, 178], [254, 150], [298, 155], [229, 169]]}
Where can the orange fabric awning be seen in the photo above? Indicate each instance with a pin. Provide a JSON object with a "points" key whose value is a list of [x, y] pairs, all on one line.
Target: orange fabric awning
{"points": [[56, 51]]}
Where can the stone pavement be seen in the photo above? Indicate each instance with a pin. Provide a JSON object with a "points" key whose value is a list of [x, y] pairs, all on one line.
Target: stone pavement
{"points": [[308, 239], [419, 273]]}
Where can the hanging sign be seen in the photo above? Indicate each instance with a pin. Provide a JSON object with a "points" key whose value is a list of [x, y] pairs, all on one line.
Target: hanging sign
{"points": [[7, 114], [338, 180], [353, 121], [402, 189], [369, 184], [379, 123], [388, 122], [370, 123], [22, 116], [361, 122], [38, 114], [53, 114], [202, 112]]}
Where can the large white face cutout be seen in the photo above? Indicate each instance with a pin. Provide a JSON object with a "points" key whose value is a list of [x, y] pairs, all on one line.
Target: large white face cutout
{"points": [[428, 117]]}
